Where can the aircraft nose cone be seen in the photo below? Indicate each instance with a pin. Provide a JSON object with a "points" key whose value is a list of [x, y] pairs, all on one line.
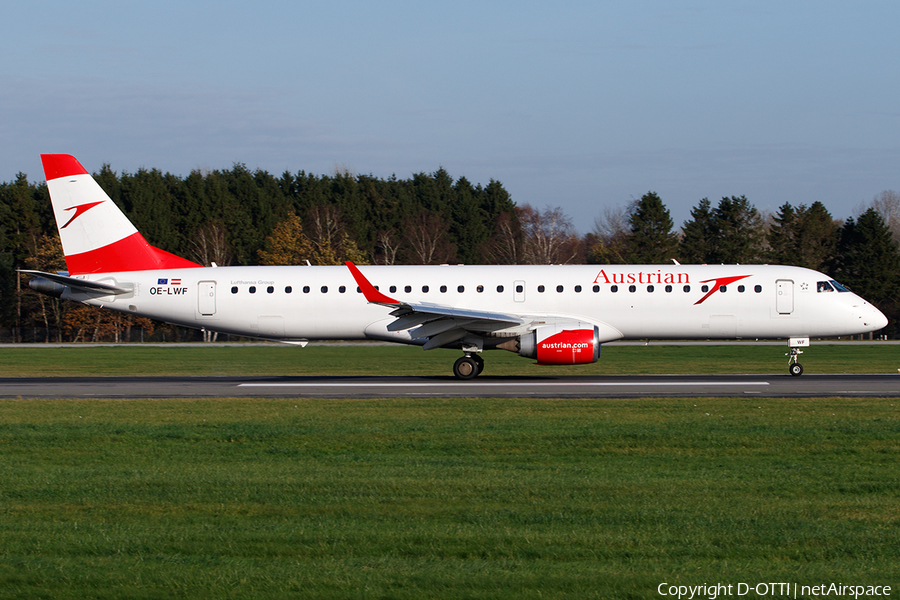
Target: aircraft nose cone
{"points": [[877, 320], [870, 317]]}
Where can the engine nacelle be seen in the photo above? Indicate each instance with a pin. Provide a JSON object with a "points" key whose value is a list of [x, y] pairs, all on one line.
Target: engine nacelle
{"points": [[566, 344]]}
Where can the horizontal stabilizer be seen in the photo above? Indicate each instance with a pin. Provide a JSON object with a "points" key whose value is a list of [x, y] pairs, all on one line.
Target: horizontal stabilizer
{"points": [[78, 285]]}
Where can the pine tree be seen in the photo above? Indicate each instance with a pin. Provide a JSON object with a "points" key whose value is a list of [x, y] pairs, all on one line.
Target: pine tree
{"points": [[868, 260], [804, 237], [697, 243], [651, 239], [738, 232]]}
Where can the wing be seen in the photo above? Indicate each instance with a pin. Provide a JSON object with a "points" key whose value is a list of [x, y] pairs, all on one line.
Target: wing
{"points": [[440, 324]]}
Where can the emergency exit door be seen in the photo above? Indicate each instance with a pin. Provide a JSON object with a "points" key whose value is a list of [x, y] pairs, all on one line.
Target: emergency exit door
{"points": [[206, 298], [784, 301]]}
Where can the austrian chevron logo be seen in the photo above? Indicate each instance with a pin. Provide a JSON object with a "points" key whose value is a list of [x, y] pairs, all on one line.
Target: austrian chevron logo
{"points": [[80, 210], [717, 284]]}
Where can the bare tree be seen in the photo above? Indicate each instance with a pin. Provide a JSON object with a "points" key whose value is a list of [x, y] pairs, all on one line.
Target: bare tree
{"points": [[548, 236], [505, 244], [608, 242], [209, 245], [427, 235], [387, 248], [887, 203], [325, 226]]}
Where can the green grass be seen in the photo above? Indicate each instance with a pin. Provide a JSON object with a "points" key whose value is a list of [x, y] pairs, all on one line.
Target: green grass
{"points": [[402, 360], [457, 498]]}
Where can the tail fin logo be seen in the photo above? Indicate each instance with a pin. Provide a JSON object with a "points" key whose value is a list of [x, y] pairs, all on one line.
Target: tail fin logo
{"points": [[79, 210]]}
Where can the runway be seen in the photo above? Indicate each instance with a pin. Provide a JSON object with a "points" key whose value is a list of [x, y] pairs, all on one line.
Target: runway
{"points": [[444, 387]]}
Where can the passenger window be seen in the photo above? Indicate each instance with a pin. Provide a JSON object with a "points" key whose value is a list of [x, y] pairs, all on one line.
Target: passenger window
{"points": [[704, 288], [479, 289], [500, 289], [577, 289], [234, 290], [614, 289], [325, 289], [288, 290], [650, 288], [668, 288], [519, 289], [424, 289], [541, 289], [252, 289], [461, 289], [757, 289], [305, 289], [741, 289], [443, 289], [687, 289], [342, 289], [270, 290], [723, 288], [407, 289], [632, 288], [393, 289], [559, 289], [596, 288]]}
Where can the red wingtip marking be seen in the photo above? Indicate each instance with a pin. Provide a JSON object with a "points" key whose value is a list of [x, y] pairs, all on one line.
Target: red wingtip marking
{"points": [[368, 290], [61, 165]]}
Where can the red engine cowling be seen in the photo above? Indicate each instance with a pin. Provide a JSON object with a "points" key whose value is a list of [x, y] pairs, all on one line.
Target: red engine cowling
{"points": [[567, 344]]}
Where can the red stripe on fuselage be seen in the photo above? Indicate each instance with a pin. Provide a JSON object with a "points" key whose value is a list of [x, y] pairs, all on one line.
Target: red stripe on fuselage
{"points": [[132, 253]]}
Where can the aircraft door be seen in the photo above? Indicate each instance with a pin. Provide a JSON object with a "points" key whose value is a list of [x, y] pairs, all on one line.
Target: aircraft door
{"points": [[784, 300], [206, 298], [519, 291]]}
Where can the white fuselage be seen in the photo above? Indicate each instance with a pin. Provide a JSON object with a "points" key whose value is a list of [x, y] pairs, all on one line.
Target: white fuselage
{"points": [[624, 301]]}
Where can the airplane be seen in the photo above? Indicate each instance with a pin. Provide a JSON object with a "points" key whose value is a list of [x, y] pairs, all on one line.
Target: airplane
{"points": [[555, 314]]}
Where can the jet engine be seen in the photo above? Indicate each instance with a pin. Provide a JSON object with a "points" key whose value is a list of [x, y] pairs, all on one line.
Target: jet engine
{"points": [[564, 344]]}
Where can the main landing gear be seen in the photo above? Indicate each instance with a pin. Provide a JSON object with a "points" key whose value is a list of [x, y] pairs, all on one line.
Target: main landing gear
{"points": [[794, 345], [468, 366]]}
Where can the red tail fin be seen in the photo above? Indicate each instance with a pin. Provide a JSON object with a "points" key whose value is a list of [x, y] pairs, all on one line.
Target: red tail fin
{"points": [[96, 236]]}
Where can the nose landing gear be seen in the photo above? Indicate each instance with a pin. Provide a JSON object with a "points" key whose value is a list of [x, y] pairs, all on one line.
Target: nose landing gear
{"points": [[795, 367], [794, 344]]}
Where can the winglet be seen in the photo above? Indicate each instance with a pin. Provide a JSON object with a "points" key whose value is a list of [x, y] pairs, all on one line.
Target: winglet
{"points": [[368, 290]]}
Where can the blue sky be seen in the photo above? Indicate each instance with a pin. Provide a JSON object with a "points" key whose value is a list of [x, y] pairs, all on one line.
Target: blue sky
{"points": [[581, 105]]}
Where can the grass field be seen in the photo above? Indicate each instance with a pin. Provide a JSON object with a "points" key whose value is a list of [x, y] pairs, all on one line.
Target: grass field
{"points": [[402, 360], [461, 498], [443, 499]]}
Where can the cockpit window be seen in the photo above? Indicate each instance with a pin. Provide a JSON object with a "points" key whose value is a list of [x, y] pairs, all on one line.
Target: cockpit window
{"points": [[824, 286], [838, 286]]}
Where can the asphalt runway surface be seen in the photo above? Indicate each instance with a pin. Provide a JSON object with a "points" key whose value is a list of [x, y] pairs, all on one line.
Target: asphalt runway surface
{"points": [[618, 386]]}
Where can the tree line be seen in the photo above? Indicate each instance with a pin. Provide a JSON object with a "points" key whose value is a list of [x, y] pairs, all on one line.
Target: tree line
{"points": [[244, 217]]}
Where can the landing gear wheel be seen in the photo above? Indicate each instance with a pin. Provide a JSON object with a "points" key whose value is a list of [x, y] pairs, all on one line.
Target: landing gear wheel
{"points": [[480, 362], [794, 365], [466, 367]]}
